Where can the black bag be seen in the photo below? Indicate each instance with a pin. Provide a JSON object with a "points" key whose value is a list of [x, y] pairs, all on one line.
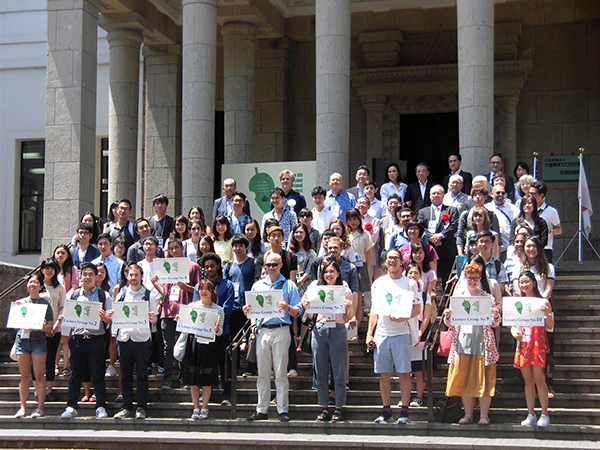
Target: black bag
{"points": [[251, 351], [450, 410]]}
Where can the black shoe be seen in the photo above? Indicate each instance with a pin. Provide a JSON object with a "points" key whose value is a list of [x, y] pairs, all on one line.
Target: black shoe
{"points": [[50, 397], [283, 417], [257, 416]]}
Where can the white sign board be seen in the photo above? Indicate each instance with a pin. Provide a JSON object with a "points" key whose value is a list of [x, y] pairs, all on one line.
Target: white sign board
{"points": [[471, 310], [130, 314], [82, 314], [194, 319], [264, 304], [397, 304], [27, 316], [172, 270], [523, 311], [326, 299]]}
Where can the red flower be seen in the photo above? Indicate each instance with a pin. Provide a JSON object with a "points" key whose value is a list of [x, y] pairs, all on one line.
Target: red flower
{"points": [[369, 227], [446, 217]]}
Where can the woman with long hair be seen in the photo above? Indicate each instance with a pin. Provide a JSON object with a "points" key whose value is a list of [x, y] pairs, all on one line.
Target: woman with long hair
{"points": [[196, 212], [529, 215], [222, 236], [480, 221], [112, 216], [31, 349], [535, 260], [191, 245], [428, 277], [330, 344], [473, 355], [530, 356], [252, 232], [340, 231], [393, 184]]}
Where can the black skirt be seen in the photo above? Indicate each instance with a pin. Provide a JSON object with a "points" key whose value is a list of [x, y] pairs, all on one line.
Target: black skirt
{"points": [[199, 365]]}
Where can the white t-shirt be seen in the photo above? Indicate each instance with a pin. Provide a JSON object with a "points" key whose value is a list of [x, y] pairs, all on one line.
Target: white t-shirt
{"points": [[321, 220], [381, 286], [550, 215]]}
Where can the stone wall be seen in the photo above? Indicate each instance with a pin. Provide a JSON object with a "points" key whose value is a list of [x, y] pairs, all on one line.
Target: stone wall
{"points": [[9, 273]]}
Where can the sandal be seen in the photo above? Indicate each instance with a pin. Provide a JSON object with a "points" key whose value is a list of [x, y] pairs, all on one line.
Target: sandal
{"points": [[466, 420], [337, 415], [93, 398], [203, 414], [551, 392], [196, 414], [66, 373], [484, 420], [84, 399], [324, 416]]}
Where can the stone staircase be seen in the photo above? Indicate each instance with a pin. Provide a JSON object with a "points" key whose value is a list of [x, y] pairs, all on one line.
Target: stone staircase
{"points": [[575, 411]]}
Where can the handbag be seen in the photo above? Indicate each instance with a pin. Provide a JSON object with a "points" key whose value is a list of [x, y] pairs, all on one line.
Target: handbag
{"points": [[179, 347], [251, 350], [445, 343], [450, 409]]}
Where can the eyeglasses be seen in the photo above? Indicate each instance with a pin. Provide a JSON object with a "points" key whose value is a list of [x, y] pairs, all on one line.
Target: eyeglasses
{"points": [[271, 265], [500, 193], [393, 258], [472, 278]]}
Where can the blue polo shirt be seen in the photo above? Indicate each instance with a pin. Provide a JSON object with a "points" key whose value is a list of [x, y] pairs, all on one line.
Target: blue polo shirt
{"points": [[290, 296], [242, 274], [340, 203]]}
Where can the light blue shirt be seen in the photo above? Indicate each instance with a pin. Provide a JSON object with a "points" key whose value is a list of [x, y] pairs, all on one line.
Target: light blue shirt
{"points": [[290, 296], [340, 203], [113, 268]]}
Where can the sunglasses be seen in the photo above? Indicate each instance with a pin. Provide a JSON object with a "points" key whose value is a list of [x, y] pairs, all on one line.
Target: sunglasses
{"points": [[271, 265]]}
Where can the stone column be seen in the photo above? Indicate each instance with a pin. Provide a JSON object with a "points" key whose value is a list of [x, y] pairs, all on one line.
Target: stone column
{"points": [[506, 134], [198, 115], [71, 75], [163, 126], [124, 85], [333, 88], [476, 83], [374, 106], [239, 39]]}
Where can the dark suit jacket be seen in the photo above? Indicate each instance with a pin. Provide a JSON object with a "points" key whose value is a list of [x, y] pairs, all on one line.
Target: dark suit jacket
{"points": [[468, 182], [354, 191], [448, 248], [510, 187], [220, 207], [413, 193]]}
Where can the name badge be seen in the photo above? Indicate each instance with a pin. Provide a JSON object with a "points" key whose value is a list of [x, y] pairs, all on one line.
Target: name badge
{"points": [[24, 334], [160, 242], [359, 261], [236, 289], [432, 227], [335, 209], [174, 295], [329, 321]]}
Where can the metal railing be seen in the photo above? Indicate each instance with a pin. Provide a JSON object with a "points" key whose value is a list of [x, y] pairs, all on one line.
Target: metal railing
{"points": [[233, 351], [18, 283]]}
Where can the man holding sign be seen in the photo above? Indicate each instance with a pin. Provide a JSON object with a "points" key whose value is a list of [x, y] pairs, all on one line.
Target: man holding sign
{"points": [[86, 345], [395, 299], [274, 339], [134, 342]]}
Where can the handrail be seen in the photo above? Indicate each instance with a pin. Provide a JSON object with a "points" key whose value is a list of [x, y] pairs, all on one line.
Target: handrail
{"points": [[18, 283], [233, 350], [432, 339]]}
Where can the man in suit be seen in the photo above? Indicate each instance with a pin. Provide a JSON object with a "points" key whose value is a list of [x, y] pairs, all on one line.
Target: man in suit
{"points": [[441, 222], [454, 162], [223, 205], [455, 197], [362, 176], [497, 165], [417, 194]]}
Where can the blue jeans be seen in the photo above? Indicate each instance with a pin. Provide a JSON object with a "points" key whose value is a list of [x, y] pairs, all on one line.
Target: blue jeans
{"points": [[330, 345], [87, 353], [138, 354]]}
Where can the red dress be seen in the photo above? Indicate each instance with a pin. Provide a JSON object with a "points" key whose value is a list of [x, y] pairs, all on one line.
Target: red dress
{"points": [[531, 351]]}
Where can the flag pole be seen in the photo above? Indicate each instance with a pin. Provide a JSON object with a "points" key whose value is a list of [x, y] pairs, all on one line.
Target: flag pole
{"points": [[581, 230]]}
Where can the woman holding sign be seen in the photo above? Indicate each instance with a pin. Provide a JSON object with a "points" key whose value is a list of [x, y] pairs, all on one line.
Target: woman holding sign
{"points": [[530, 357], [199, 365], [473, 355], [330, 342], [31, 348]]}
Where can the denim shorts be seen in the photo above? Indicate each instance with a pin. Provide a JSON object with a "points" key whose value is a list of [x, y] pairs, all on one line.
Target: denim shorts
{"points": [[29, 347], [392, 354]]}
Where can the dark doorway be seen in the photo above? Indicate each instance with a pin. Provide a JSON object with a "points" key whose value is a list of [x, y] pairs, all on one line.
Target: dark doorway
{"points": [[219, 151], [428, 138]]}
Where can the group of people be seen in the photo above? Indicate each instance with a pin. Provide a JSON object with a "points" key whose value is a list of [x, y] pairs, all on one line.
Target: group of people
{"points": [[371, 241]]}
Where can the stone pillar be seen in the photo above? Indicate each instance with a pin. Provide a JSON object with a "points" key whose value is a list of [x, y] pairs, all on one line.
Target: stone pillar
{"points": [[71, 75], [476, 83], [124, 85], [239, 39], [506, 134], [198, 115], [163, 126], [333, 88], [374, 106]]}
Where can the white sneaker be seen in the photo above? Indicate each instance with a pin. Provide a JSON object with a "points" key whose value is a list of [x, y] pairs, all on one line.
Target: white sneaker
{"points": [[292, 374], [530, 421], [544, 421], [101, 413], [20, 413], [69, 413], [111, 372], [38, 413]]}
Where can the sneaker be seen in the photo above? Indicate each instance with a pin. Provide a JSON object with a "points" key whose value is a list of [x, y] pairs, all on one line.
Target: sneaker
{"points": [[69, 413], [123, 414], [530, 421], [101, 413], [111, 372], [226, 402], [257, 416], [382, 419], [140, 413], [284, 417], [20, 413], [416, 402], [544, 421], [292, 374], [119, 398], [37, 414], [166, 385], [160, 370]]}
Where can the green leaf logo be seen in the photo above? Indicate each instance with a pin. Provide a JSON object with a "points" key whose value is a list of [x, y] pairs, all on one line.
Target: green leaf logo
{"points": [[126, 311], [261, 300], [467, 306], [78, 310], [167, 266], [322, 295], [194, 315], [519, 307], [389, 298], [24, 311], [261, 184]]}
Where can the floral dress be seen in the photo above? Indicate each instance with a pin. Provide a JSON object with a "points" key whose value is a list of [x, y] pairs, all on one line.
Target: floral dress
{"points": [[531, 351]]}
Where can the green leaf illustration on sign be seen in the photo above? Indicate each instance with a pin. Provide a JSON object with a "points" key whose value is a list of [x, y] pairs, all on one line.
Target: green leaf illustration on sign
{"points": [[167, 266], [260, 300], [24, 311], [78, 310], [126, 311], [322, 295], [389, 297], [467, 305], [519, 307], [194, 315], [261, 184]]}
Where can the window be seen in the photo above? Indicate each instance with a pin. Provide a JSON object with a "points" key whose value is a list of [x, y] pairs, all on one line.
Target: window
{"points": [[104, 177], [31, 208]]}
